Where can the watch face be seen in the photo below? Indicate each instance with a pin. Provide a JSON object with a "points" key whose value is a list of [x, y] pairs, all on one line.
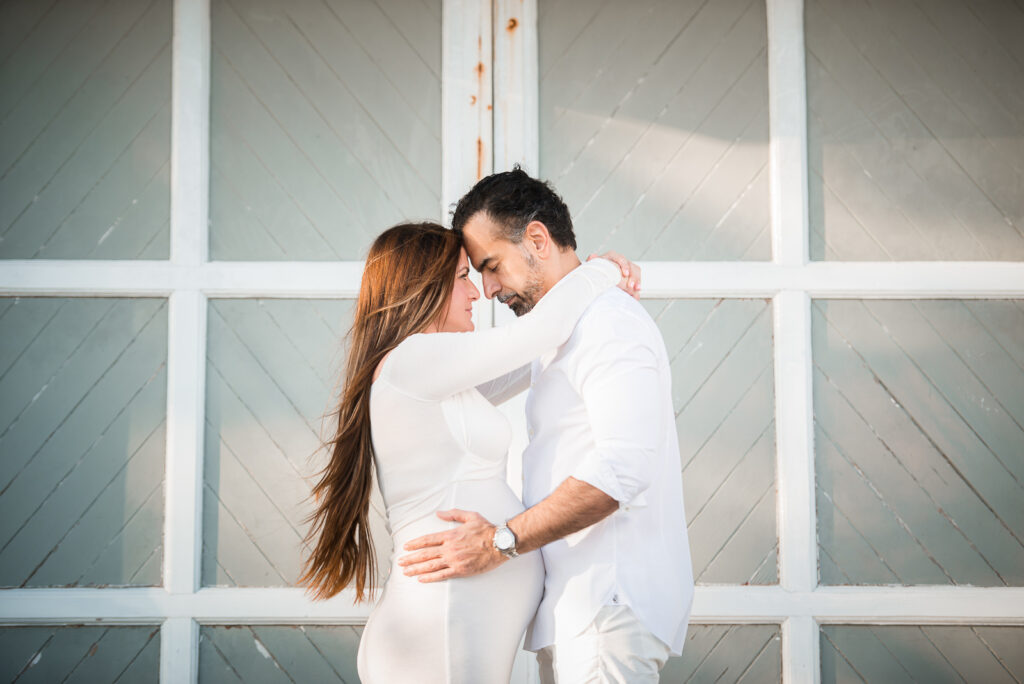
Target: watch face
{"points": [[504, 539]]}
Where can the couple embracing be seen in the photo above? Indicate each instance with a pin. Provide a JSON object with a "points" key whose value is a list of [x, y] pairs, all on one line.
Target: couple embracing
{"points": [[594, 561]]}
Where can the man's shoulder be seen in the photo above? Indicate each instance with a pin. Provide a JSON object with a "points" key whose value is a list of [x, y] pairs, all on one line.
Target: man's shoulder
{"points": [[614, 313]]}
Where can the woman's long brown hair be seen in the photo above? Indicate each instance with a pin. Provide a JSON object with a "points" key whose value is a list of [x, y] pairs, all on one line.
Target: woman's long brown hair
{"points": [[407, 284]]}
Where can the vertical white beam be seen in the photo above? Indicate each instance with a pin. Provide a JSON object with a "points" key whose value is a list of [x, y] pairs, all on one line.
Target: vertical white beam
{"points": [[787, 111], [800, 647], [466, 97], [516, 88], [186, 386], [179, 655], [798, 559], [467, 103], [186, 348], [190, 132]]}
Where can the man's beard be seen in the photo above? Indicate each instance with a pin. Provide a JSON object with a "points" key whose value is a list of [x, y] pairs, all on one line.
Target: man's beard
{"points": [[524, 300]]}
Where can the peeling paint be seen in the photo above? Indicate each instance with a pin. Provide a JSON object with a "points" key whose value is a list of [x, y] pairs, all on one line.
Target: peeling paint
{"points": [[262, 649], [35, 659]]}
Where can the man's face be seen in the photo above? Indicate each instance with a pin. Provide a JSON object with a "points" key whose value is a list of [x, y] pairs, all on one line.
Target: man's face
{"points": [[509, 271]]}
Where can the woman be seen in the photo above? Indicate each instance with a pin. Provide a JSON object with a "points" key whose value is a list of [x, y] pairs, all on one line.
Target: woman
{"points": [[415, 405]]}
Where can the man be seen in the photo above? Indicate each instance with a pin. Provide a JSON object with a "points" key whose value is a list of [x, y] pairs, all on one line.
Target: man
{"points": [[601, 472]]}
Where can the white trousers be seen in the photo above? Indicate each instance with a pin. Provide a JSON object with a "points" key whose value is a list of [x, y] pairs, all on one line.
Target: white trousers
{"points": [[615, 647]]}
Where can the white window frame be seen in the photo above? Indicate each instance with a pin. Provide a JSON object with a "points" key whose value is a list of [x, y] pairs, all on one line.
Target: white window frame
{"points": [[475, 143]]}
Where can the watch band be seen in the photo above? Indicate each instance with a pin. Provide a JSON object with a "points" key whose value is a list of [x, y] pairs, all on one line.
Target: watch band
{"points": [[509, 551]]}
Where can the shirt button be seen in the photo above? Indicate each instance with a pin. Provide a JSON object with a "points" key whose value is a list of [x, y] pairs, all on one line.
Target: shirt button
{"points": [[615, 598]]}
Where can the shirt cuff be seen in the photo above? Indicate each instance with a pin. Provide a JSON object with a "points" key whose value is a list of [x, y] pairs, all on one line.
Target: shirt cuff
{"points": [[596, 473]]}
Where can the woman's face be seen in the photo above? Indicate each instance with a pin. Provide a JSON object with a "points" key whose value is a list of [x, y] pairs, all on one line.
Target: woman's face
{"points": [[460, 308]]}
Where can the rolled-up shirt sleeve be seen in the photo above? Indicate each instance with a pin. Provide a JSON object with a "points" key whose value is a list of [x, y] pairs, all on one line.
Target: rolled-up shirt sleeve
{"points": [[619, 384]]}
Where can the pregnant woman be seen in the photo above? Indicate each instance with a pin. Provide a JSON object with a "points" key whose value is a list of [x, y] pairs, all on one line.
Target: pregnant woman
{"points": [[418, 405]]}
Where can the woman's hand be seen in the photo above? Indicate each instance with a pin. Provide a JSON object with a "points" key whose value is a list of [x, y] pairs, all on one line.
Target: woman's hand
{"points": [[630, 281]]}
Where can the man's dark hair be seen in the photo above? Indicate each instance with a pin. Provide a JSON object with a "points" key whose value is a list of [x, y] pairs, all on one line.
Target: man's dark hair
{"points": [[513, 199]]}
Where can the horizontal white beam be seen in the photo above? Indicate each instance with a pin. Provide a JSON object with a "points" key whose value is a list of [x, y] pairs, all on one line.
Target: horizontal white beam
{"points": [[729, 605], [661, 279], [959, 279]]}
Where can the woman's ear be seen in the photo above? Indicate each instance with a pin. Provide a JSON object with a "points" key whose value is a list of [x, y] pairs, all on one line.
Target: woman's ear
{"points": [[538, 239]]}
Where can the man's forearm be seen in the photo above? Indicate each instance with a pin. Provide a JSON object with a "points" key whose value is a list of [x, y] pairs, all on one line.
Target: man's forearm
{"points": [[573, 506]]}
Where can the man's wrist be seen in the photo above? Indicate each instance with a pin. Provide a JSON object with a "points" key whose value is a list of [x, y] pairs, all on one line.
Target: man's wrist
{"points": [[504, 541]]}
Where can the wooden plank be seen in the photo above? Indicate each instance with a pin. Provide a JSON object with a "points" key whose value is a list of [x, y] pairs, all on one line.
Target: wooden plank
{"points": [[933, 413], [44, 459], [247, 656], [337, 118], [734, 436], [409, 19], [144, 667], [43, 520], [730, 658], [225, 538], [213, 666], [1004, 642], [30, 218], [115, 650], [18, 20], [847, 547], [339, 646], [864, 649], [948, 493], [968, 654], [750, 555], [36, 92], [297, 655], [96, 550], [23, 319], [19, 646], [109, 216], [927, 346]]}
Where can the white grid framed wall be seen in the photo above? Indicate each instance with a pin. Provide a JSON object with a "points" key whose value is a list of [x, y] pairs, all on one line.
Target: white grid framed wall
{"points": [[489, 120]]}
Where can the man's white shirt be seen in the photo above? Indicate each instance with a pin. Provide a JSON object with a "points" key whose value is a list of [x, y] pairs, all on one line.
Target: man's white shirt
{"points": [[600, 410]]}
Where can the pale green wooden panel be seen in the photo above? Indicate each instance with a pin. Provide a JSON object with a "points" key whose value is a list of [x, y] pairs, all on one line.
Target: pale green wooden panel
{"points": [[85, 129], [915, 130], [919, 408], [751, 654], [80, 655], [325, 125], [654, 125], [723, 395], [272, 369], [83, 394], [932, 654], [278, 654]]}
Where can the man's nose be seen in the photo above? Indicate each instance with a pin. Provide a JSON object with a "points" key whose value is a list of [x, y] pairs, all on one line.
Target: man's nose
{"points": [[491, 285]]}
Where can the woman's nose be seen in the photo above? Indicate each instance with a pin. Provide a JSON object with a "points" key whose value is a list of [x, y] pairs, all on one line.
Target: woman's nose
{"points": [[474, 292]]}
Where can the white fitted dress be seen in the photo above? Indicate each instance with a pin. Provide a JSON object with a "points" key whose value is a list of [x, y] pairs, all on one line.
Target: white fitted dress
{"points": [[439, 444]]}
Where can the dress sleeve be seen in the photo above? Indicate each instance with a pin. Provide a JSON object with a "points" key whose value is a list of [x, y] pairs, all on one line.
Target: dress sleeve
{"points": [[436, 365]]}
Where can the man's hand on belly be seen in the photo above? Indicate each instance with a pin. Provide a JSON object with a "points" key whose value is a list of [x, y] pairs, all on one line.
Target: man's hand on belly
{"points": [[460, 552]]}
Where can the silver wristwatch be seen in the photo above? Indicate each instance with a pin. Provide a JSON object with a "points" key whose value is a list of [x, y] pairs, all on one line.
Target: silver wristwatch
{"points": [[505, 541]]}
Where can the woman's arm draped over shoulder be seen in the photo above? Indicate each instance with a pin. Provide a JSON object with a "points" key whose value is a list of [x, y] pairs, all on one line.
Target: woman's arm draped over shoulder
{"points": [[437, 365]]}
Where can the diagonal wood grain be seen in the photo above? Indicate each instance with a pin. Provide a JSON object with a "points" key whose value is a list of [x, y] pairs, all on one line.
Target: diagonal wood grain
{"points": [[82, 442], [325, 125], [272, 370], [920, 445], [921, 654], [120, 655], [85, 131], [721, 354], [915, 123], [727, 653], [654, 125], [278, 654]]}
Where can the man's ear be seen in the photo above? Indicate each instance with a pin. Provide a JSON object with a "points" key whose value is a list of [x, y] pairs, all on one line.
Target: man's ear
{"points": [[538, 239]]}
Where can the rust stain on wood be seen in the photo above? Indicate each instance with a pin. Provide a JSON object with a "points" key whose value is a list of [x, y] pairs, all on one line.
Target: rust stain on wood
{"points": [[472, 100], [479, 158], [480, 69], [513, 23]]}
